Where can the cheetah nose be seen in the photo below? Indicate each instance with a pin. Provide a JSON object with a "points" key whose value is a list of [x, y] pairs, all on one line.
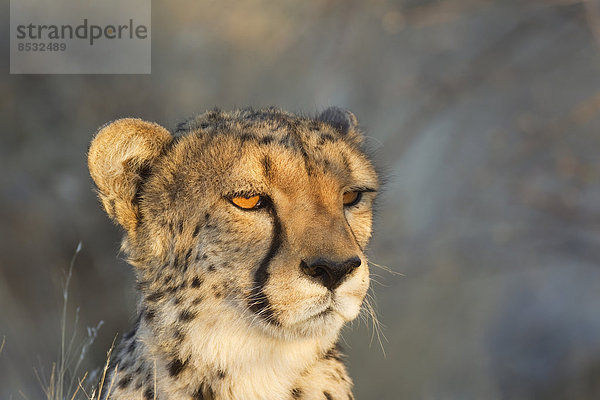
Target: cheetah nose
{"points": [[330, 273]]}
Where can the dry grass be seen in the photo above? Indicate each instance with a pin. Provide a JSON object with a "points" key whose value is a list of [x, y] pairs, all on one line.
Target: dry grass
{"points": [[66, 381]]}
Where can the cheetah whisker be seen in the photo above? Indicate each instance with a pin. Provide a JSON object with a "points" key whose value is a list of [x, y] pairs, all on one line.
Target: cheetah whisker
{"points": [[378, 282], [377, 325], [386, 269], [258, 315], [373, 138]]}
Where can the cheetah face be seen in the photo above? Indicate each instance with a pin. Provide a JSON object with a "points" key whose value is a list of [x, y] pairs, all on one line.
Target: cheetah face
{"points": [[264, 214], [297, 245]]}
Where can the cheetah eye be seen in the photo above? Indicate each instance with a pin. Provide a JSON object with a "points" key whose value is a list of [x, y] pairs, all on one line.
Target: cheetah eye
{"points": [[247, 203], [351, 198]]}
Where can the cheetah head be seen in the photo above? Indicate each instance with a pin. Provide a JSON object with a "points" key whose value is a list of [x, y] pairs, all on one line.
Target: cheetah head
{"points": [[257, 216]]}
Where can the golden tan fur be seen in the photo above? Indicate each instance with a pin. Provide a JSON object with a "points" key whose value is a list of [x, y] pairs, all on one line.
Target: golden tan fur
{"points": [[229, 305]]}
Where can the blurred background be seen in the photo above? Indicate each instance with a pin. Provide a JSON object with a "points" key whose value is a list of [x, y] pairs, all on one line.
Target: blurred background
{"points": [[484, 115]]}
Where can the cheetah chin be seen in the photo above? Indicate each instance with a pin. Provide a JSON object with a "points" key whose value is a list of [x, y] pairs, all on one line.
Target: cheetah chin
{"points": [[246, 230]]}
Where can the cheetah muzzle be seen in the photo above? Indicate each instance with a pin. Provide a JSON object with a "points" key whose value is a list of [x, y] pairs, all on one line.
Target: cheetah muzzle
{"points": [[247, 232]]}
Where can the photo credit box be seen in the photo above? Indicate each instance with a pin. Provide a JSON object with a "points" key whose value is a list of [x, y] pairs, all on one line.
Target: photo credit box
{"points": [[80, 37]]}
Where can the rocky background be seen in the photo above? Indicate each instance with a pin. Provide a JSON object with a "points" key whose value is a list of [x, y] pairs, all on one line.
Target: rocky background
{"points": [[484, 115]]}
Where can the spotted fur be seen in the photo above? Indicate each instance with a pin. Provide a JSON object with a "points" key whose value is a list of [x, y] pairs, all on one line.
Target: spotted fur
{"points": [[229, 307]]}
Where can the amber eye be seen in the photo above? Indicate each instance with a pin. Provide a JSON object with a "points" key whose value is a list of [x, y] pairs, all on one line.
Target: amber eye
{"points": [[247, 202], [351, 198]]}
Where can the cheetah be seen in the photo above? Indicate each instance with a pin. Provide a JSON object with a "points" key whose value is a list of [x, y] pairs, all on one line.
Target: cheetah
{"points": [[247, 233]]}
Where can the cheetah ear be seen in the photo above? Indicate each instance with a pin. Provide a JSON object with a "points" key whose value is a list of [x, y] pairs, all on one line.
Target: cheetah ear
{"points": [[119, 160], [342, 120]]}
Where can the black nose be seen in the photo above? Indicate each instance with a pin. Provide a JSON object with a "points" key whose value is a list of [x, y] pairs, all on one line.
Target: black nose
{"points": [[330, 273]]}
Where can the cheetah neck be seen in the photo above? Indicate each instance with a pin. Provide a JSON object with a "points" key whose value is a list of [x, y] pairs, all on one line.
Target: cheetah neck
{"points": [[222, 356]]}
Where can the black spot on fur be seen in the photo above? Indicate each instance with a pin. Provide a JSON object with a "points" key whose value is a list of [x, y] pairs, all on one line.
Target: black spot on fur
{"points": [[188, 255], [187, 315], [266, 140], [131, 347], [178, 335], [326, 137], [286, 141], [172, 289], [217, 291], [246, 137], [154, 297], [175, 367], [211, 267], [125, 365], [197, 230], [327, 396], [221, 374], [149, 393], [204, 392], [177, 261], [132, 332], [292, 125], [307, 165], [340, 373], [206, 217], [296, 393], [333, 354], [196, 282], [180, 262], [199, 394], [149, 315], [125, 381], [197, 300], [266, 162]]}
